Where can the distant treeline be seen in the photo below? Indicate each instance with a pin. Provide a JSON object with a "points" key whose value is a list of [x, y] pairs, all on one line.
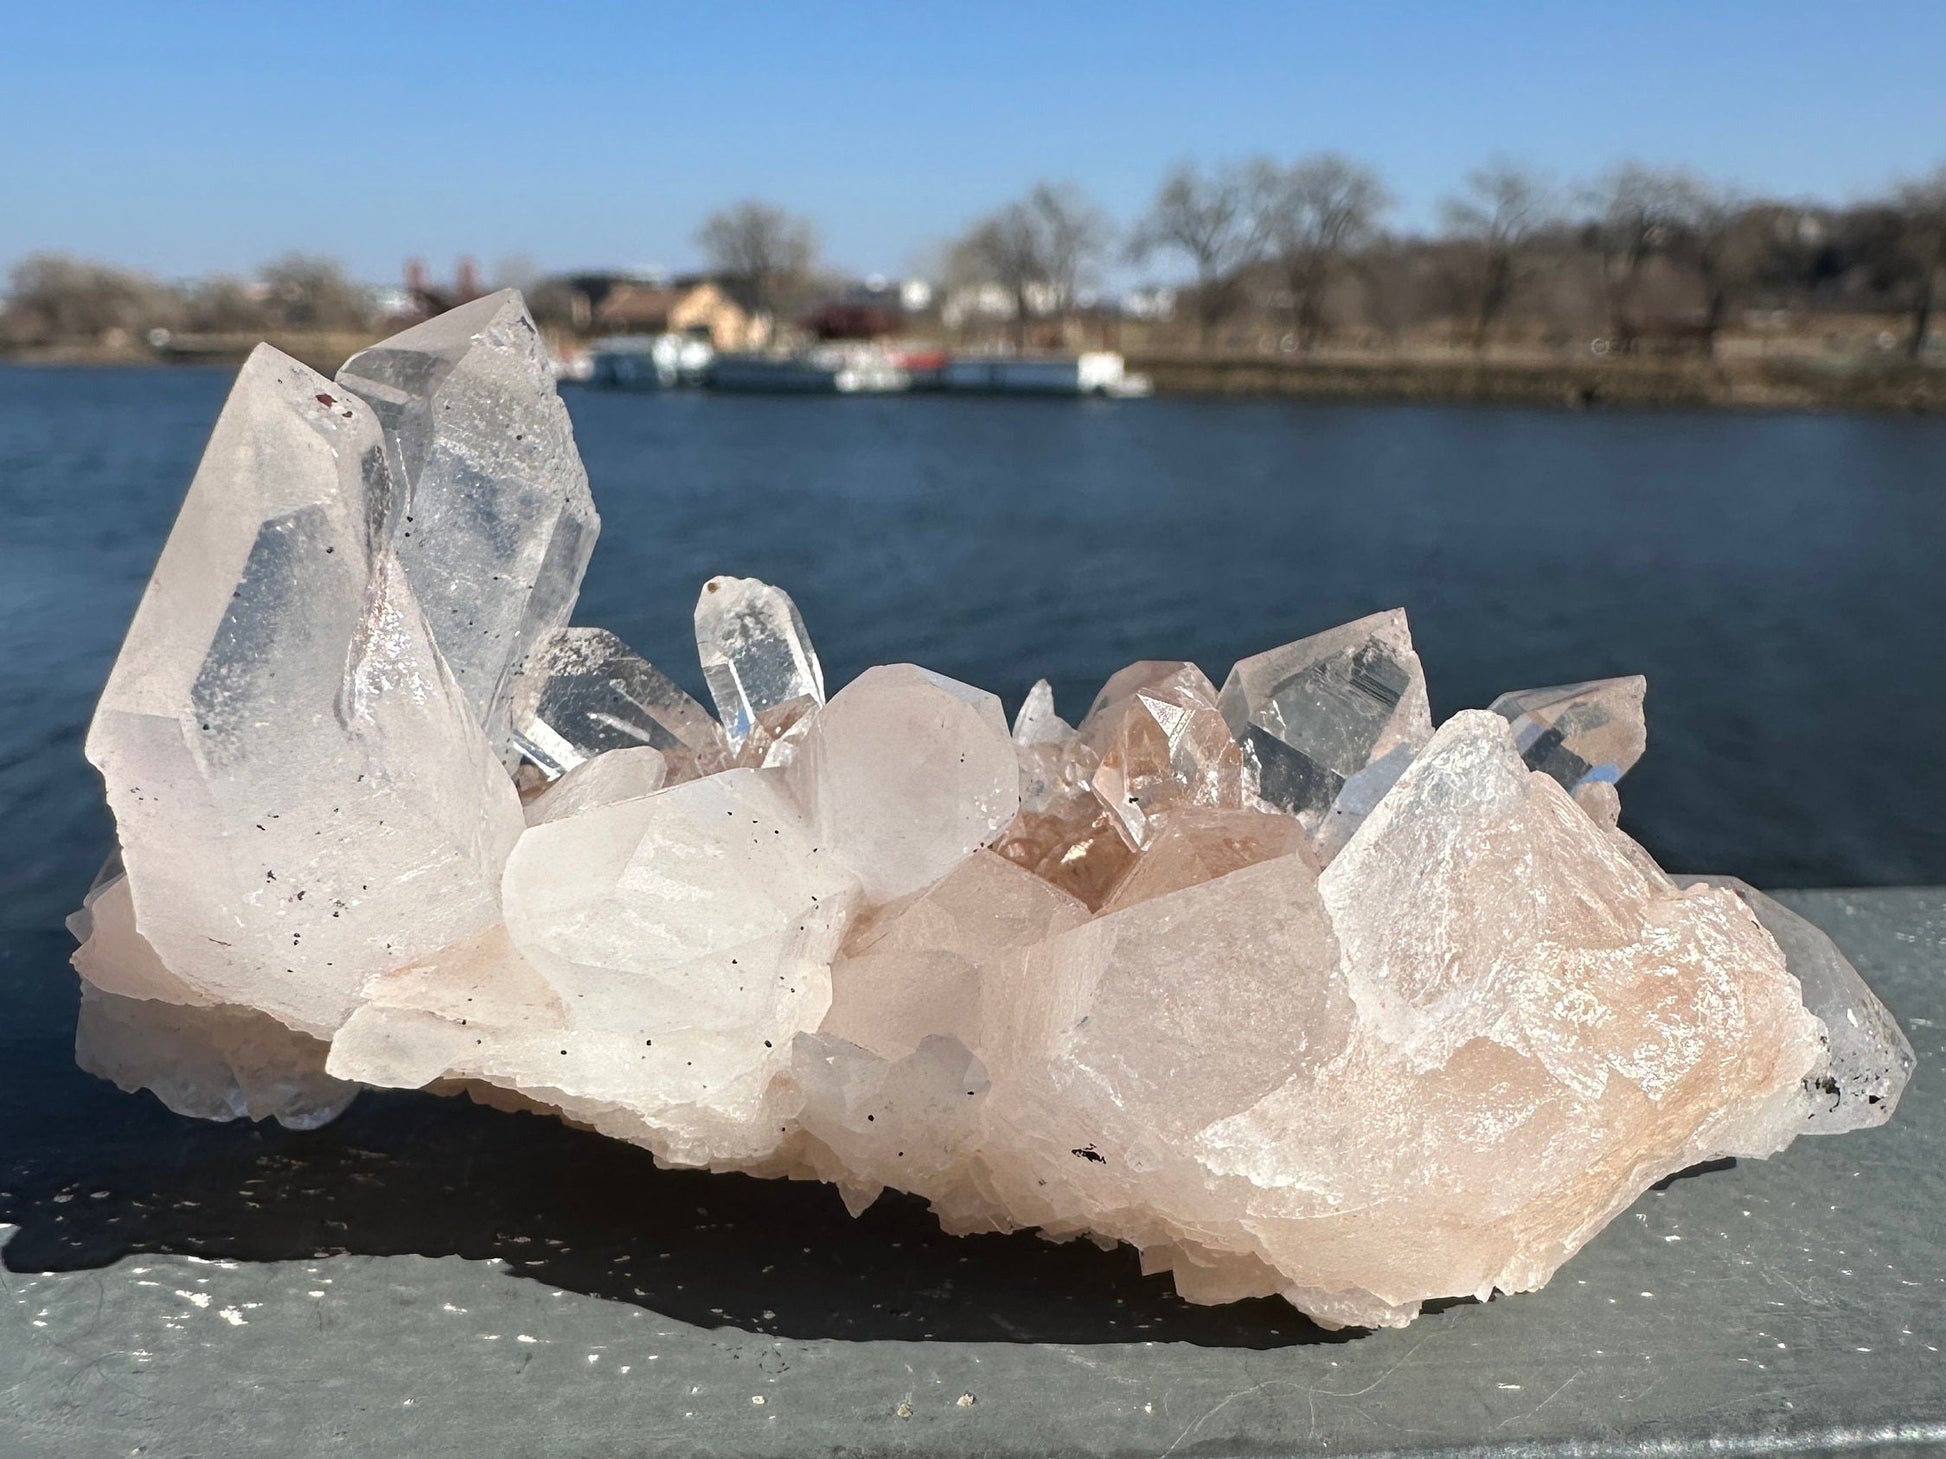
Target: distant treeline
{"points": [[1265, 256]]}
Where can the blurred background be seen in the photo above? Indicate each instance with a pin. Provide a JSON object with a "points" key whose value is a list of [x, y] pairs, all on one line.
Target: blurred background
{"points": [[1028, 341]]}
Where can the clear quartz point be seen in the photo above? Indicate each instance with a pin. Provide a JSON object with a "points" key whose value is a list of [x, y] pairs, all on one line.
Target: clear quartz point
{"points": [[585, 692], [302, 795], [1166, 744], [1579, 733], [1317, 712], [489, 509], [756, 652]]}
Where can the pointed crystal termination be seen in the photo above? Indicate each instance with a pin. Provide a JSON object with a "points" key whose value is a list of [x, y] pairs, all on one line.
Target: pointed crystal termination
{"points": [[1037, 723], [1579, 733], [584, 692], [302, 796], [1166, 745], [492, 516], [1868, 1058], [1318, 711], [756, 652]]}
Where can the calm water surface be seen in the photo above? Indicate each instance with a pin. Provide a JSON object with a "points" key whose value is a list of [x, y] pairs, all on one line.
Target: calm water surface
{"points": [[1778, 578]]}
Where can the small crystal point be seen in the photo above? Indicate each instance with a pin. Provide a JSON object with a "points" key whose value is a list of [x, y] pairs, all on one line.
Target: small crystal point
{"points": [[490, 510], [1318, 711], [1579, 733], [1037, 723], [756, 652], [585, 692], [1165, 744], [1868, 1057]]}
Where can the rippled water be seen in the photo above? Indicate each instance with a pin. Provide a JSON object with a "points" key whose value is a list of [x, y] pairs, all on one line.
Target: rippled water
{"points": [[1778, 578]]}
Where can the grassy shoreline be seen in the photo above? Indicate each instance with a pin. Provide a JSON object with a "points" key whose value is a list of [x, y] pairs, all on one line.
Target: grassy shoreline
{"points": [[1890, 386]]}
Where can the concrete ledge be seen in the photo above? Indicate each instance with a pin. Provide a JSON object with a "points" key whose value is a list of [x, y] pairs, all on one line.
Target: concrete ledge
{"points": [[431, 1278]]}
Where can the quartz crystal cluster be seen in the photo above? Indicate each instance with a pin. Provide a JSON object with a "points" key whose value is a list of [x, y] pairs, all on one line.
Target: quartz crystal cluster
{"points": [[1280, 983]]}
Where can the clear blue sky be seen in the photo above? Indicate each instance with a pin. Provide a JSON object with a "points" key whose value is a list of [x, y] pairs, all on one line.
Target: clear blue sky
{"points": [[186, 137]]}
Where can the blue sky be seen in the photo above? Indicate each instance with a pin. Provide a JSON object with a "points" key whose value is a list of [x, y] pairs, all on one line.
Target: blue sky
{"points": [[187, 137]]}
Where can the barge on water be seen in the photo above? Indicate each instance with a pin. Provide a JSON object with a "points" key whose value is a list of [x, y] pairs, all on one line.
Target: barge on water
{"points": [[1096, 372], [671, 361]]}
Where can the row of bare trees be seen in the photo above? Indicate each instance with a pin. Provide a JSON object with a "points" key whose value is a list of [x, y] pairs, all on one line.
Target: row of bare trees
{"points": [[1651, 250], [1290, 252], [55, 299]]}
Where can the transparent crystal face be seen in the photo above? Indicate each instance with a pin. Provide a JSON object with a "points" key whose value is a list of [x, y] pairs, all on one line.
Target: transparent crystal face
{"points": [[490, 511], [1579, 733], [585, 692], [1316, 712]]}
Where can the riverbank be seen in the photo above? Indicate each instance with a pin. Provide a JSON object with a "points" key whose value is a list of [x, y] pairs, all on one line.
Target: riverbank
{"points": [[1808, 382], [1787, 384]]}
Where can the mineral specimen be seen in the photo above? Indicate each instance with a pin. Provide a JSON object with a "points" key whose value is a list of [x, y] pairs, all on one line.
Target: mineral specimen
{"points": [[1280, 985]]}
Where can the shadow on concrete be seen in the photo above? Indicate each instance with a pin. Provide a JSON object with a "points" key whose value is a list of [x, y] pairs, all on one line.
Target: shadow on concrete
{"points": [[90, 1175]]}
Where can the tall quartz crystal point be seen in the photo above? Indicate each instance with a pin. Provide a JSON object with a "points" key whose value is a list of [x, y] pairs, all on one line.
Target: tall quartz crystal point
{"points": [[584, 692], [304, 796], [756, 653], [490, 510], [1318, 712], [1579, 734]]}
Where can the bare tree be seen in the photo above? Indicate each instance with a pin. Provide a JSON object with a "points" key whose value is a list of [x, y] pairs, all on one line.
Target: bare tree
{"points": [[1317, 213], [1640, 212], [1922, 235], [1496, 220], [223, 305], [1214, 222], [1725, 239], [305, 291], [55, 299], [772, 251], [1039, 251], [1074, 234]]}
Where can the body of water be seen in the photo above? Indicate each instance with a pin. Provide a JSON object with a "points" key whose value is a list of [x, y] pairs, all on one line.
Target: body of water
{"points": [[1777, 578]]}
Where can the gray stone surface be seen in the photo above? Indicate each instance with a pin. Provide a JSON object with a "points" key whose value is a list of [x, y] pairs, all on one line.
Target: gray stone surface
{"points": [[430, 1278]]}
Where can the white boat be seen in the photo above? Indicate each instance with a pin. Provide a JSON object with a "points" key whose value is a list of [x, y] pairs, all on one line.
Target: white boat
{"points": [[846, 369], [1094, 372], [648, 361]]}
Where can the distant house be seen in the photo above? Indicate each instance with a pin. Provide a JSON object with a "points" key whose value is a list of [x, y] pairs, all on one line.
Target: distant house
{"points": [[631, 304]]}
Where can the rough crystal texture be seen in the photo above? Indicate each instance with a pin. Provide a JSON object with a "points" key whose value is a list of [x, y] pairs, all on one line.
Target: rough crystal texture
{"points": [[756, 653], [1317, 712], [584, 692], [1579, 734], [489, 509], [1867, 1057], [1405, 1018]]}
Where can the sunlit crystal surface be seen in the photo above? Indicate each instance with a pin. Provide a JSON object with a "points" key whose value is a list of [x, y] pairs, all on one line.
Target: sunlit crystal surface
{"points": [[756, 652], [1280, 986]]}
